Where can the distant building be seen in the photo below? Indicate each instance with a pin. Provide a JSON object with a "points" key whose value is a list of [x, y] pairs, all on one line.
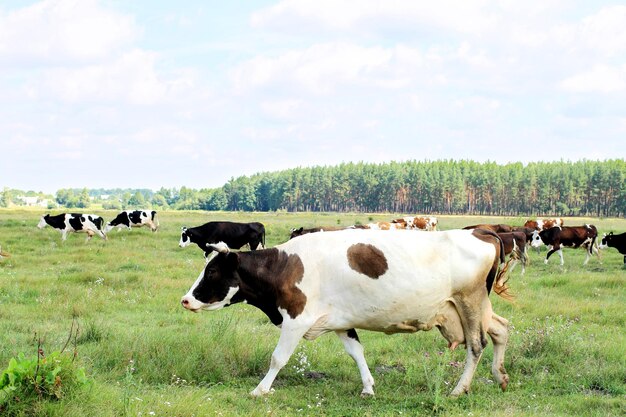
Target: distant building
{"points": [[33, 201]]}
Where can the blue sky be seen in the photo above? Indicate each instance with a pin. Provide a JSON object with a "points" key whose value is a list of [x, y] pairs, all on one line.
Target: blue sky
{"points": [[160, 93]]}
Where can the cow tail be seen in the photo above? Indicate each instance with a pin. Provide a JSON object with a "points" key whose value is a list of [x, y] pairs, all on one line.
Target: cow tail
{"points": [[263, 237], [499, 273]]}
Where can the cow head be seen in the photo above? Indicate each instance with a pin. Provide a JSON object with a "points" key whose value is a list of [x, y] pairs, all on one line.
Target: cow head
{"points": [[535, 240], [605, 240], [217, 284], [296, 232], [42, 221], [185, 238]]}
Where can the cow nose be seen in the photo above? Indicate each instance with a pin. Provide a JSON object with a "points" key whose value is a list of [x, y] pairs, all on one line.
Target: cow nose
{"points": [[185, 302]]}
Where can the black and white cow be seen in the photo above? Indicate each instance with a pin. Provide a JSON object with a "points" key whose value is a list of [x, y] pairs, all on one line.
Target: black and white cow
{"points": [[74, 222], [567, 236], [367, 279], [615, 241], [235, 235], [134, 218]]}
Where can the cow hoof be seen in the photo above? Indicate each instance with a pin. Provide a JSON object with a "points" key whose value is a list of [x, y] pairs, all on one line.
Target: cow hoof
{"points": [[258, 392], [367, 394], [504, 383]]}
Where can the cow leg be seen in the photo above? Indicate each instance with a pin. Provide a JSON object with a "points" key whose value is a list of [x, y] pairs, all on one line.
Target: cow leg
{"points": [[587, 255], [561, 256], [287, 343], [499, 333], [63, 235], [555, 248], [354, 348], [475, 340]]}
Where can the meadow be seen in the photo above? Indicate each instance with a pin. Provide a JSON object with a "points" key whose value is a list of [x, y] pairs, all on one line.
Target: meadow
{"points": [[147, 356]]}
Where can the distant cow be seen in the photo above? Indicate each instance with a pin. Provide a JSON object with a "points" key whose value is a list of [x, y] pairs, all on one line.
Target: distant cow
{"points": [[383, 226], [515, 245], [427, 223], [541, 224], [134, 218], [302, 231], [496, 228], [567, 236], [372, 280], [615, 241], [74, 222], [235, 235], [3, 254]]}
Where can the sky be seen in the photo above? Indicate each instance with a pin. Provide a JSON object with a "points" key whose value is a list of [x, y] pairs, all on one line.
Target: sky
{"points": [[155, 93]]}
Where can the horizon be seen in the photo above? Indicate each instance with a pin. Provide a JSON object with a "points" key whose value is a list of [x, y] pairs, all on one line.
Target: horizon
{"points": [[110, 94]]}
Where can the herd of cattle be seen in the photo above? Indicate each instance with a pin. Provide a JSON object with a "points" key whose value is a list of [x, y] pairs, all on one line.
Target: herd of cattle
{"points": [[364, 277]]}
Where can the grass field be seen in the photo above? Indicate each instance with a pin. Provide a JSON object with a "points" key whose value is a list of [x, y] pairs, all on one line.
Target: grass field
{"points": [[148, 356]]}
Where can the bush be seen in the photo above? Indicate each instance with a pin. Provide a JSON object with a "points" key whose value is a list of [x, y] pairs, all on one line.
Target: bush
{"points": [[41, 377]]}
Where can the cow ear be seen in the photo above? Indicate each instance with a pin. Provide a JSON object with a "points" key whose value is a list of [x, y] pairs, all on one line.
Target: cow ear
{"points": [[301, 229], [183, 228]]}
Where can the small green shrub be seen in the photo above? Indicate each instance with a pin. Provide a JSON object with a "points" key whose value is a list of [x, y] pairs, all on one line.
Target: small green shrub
{"points": [[40, 377]]}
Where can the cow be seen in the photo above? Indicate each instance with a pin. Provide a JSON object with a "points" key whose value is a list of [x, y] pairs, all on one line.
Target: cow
{"points": [[4, 254], [569, 236], [515, 246], [383, 226], [74, 222], [419, 223], [371, 280], [302, 231], [235, 235], [133, 218], [528, 231], [496, 228], [615, 241], [541, 224]]}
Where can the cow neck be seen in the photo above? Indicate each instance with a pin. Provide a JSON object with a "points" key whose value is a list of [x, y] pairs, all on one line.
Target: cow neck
{"points": [[268, 281]]}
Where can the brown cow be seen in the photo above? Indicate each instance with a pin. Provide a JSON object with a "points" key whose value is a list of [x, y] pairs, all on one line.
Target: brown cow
{"points": [[515, 245], [496, 228], [573, 237]]}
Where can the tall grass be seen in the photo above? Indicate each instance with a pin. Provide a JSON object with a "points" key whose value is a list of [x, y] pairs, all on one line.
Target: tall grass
{"points": [[145, 354]]}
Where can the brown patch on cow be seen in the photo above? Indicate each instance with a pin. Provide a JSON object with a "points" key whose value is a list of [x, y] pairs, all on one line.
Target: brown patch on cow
{"points": [[280, 273], [367, 260], [420, 223]]}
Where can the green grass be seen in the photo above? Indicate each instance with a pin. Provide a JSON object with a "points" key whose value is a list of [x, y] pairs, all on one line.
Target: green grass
{"points": [[146, 354]]}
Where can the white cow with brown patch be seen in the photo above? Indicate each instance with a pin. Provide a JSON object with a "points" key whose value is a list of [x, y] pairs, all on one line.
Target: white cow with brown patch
{"points": [[366, 279]]}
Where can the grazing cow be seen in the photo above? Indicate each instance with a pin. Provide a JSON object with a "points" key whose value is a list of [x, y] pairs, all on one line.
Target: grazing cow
{"points": [[419, 223], [496, 228], [134, 218], [3, 254], [568, 236], [74, 222], [366, 279], [615, 241], [515, 246], [235, 235], [541, 224], [302, 231]]}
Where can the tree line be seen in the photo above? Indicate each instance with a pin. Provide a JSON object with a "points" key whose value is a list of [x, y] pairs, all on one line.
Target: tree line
{"points": [[582, 188]]}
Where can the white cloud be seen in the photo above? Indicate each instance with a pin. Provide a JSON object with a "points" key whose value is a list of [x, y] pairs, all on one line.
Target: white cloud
{"points": [[321, 68], [353, 15], [63, 31], [600, 79]]}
